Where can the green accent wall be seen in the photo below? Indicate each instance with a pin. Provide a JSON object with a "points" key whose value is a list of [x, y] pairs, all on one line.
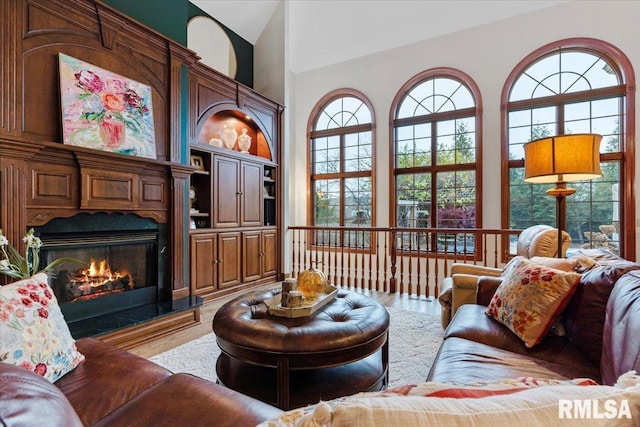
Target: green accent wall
{"points": [[170, 18]]}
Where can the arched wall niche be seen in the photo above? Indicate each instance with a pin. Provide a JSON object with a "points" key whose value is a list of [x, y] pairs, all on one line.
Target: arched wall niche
{"points": [[210, 41]]}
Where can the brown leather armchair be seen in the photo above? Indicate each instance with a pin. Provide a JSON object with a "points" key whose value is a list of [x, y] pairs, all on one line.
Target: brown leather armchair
{"points": [[460, 287]]}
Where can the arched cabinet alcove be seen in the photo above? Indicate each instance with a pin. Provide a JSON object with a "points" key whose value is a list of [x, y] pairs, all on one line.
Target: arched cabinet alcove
{"points": [[235, 190], [211, 129]]}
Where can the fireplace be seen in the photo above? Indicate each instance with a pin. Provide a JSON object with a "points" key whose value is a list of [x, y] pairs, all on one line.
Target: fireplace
{"points": [[125, 270]]}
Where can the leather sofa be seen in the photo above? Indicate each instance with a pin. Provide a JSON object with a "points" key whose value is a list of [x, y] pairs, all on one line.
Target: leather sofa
{"points": [[600, 340], [113, 387]]}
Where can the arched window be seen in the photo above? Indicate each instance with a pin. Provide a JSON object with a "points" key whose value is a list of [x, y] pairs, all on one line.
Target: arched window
{"points": [[573, 86], [436, 132], [341, 142]]}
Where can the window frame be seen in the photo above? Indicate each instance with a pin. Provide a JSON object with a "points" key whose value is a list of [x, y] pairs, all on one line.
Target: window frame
{"points": [[475, 112], [341, 132], [626, 156]]}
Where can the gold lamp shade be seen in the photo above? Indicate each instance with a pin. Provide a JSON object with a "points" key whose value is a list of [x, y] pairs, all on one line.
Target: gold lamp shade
{"points": [[562, 158]]}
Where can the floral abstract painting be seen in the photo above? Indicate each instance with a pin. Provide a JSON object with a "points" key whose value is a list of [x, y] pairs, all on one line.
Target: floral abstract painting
{"points": [[105, 111]]}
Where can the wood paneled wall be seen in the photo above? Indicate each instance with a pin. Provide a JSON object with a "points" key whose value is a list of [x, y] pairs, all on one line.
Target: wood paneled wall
{"points": [[40, 177]]}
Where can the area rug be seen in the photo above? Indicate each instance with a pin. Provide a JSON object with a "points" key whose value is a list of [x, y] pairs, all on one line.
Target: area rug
{"points": [[414, 339]]}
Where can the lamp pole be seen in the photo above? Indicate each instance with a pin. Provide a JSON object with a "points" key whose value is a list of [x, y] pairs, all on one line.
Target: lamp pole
{"points": [[560, 193]]}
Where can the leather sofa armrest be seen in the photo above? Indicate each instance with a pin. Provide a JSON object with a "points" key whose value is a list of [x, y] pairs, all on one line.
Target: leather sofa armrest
{"points": [[487, 286], [460, 288], [463, 291], [477, 270], [445, 301]]}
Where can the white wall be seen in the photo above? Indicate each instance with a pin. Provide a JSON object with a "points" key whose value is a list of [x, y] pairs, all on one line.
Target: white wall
{"points": [[272, 79], [269, 62], [487, 53]]}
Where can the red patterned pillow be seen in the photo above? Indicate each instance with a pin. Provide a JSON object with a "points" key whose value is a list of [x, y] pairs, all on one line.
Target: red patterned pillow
{"points": [[530, 298]]}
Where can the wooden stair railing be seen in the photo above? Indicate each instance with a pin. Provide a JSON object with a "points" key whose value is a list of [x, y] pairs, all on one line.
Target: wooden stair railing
{"points": [[395, 260]]}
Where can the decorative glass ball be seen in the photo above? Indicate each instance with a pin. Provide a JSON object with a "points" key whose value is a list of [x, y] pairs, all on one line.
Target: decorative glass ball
{"points": [[312, 282]]}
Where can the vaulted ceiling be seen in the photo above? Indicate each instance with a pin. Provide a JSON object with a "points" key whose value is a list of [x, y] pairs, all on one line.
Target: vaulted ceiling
{"points": [[324, 32]]}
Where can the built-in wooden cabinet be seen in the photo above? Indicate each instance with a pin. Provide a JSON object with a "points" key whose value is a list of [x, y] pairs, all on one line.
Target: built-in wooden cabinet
{"points": [[234, 198], [233, 221]]}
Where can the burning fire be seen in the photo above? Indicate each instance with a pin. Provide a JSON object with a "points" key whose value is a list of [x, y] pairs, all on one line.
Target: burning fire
{"points": [[100, 273]]}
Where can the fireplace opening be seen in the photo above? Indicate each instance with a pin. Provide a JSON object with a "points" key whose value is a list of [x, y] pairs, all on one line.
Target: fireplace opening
{"points": [[114, 264], [125, 268]]}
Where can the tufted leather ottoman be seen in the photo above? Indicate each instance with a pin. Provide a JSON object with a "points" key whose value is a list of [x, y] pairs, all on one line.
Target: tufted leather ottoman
{"points": [[339, 350]]}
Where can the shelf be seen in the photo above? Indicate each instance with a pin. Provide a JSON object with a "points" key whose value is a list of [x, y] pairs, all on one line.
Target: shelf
{"points": [[199, 172], [269, 180], [269, 197], [199, 214]]}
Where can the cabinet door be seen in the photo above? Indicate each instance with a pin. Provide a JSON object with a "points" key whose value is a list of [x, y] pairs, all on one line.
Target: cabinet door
{"points": [[251, 194], [228, 260], [226, 198], [203, 263], [251, 255], [269, 253]]}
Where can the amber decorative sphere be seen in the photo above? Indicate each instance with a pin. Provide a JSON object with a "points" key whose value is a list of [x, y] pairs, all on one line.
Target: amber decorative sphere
{"points": [[311, 282]]}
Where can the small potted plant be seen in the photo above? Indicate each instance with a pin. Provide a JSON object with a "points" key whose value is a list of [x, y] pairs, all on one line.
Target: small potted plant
{"points": [[18, 267]]}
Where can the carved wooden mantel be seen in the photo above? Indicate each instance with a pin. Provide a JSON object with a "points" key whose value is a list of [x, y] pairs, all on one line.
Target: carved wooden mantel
{"points": [[62, 181]]}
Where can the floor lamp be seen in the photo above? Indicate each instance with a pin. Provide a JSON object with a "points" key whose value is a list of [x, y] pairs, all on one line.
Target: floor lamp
{"points": [[558, 160]]}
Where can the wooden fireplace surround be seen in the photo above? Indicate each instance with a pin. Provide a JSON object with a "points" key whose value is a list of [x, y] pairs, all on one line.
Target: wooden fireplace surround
{"points": [[41, 178]]}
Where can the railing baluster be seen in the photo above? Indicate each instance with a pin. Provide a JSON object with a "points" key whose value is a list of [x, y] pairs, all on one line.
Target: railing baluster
{"points": [[296, 240], [418, 268], [353, 257], [336, 256], [342, 258], [371, 266], [427, 261], [375, 267], [401, 262], [392, 244], [385, 283], [410, 257]]}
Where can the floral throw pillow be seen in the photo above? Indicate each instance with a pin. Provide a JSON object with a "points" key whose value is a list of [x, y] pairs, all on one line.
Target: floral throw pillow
{"points": [[530, 298], [33, 332]]}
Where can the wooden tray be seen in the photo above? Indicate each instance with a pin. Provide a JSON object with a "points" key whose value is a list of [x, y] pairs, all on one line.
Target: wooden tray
{"points": [[306, 309]]}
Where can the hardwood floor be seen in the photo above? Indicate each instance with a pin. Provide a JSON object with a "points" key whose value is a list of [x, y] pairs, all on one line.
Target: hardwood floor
{"points": [[406, 302]]}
